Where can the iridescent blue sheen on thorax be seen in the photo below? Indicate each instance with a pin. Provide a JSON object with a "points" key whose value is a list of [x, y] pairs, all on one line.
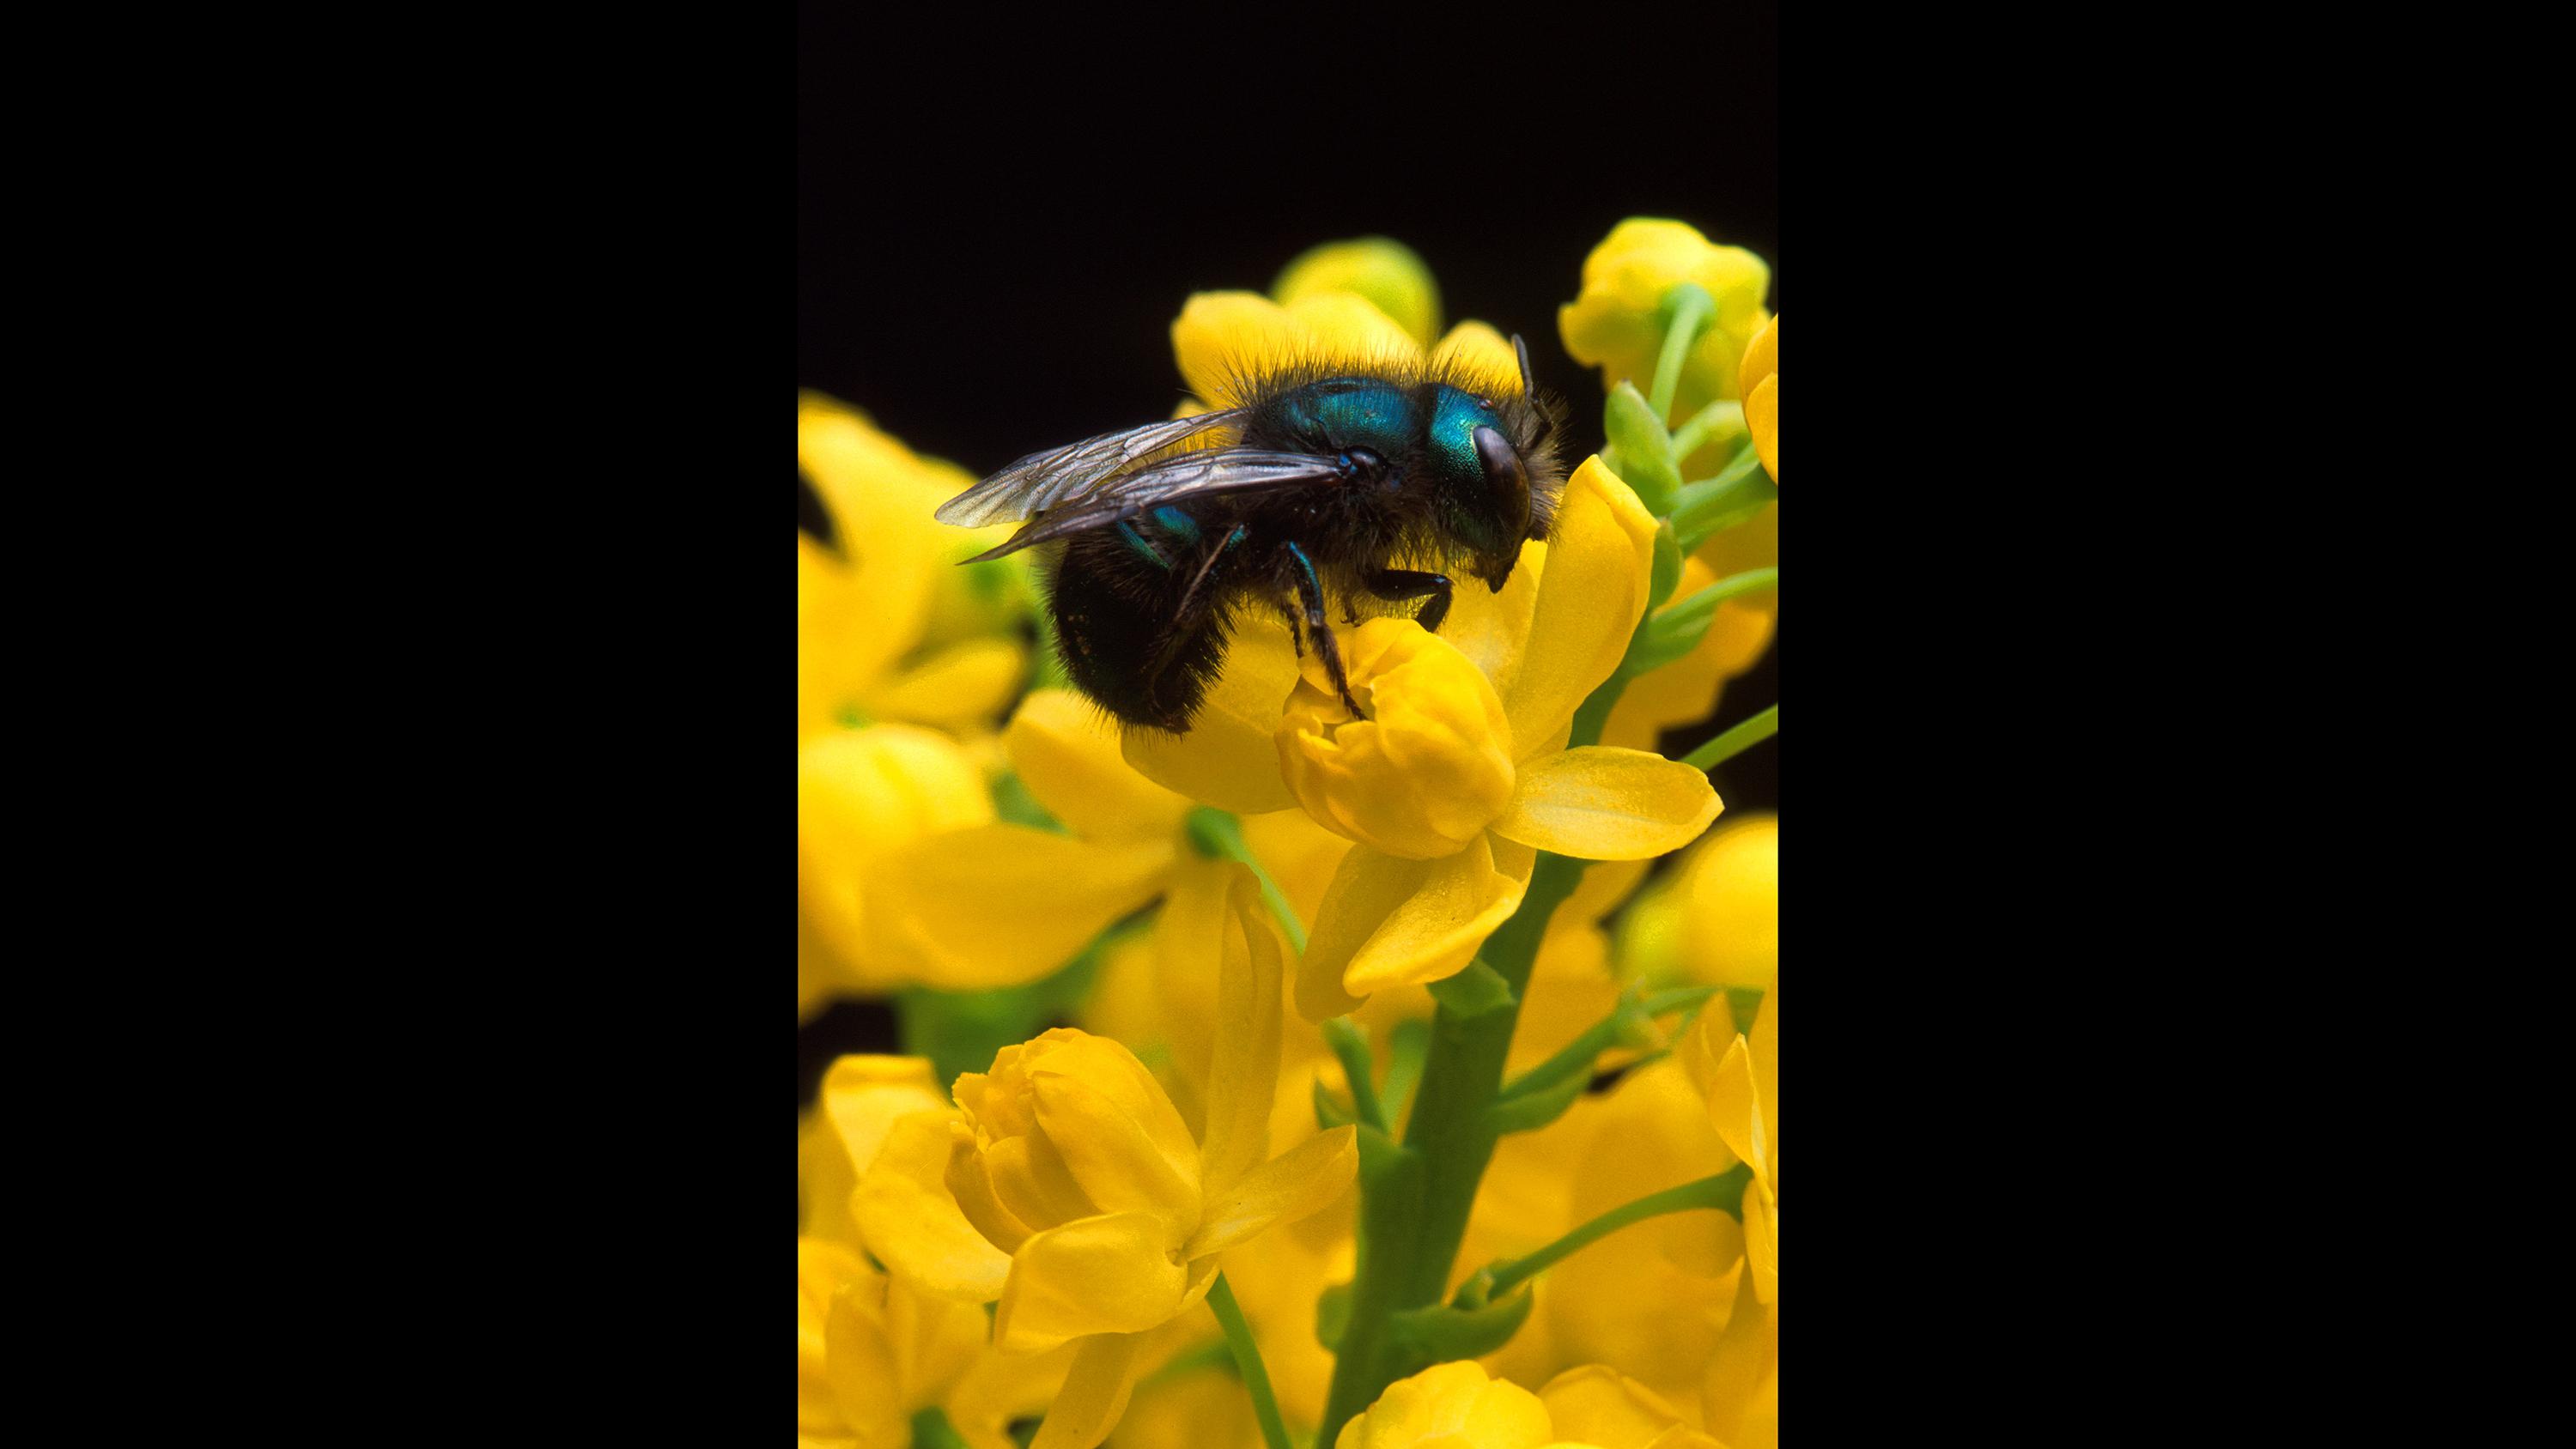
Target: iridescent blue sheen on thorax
{"points": [[1353, 413]]}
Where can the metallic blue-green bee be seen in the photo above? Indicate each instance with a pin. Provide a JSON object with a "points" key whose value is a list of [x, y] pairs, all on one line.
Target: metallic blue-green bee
{"points": [[1367, 484]]}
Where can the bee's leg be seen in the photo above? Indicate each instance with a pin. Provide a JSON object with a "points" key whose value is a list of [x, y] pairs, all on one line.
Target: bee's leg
{"points": [[1296, 636], [1398, 585], [1310, 592]]}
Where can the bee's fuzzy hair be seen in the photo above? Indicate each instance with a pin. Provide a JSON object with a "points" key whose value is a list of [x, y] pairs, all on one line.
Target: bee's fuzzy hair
{"points": [[1535, 422]]}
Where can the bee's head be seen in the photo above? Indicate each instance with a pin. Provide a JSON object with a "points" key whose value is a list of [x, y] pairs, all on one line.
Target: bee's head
{"points": [[1506, 507], [1499, 475]]}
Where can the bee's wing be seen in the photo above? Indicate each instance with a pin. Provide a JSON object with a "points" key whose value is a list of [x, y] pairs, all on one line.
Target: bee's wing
{"points": [[1040, 481], [1194, 475]]}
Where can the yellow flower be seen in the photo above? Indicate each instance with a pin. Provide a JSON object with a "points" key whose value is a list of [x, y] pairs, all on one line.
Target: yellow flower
{"points": [[1617, 321], [1460, 774], [1070, 1158], [874, 1348], [861, 1100], [1450, 1406], [869, 1354], [860, 795], [1385, 272], [1458, 1406], [1600, 1405], [1740, 1077], [1652, 1298], [1760, 377], [886, 626], [1717, 921], [1425, 770], [992, 903]]}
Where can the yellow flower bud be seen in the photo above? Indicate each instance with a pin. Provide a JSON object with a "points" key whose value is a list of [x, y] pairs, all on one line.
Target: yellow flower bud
{"points": [[1617, 321], [1730, 917], [1427, 768], [1066, 1127], [1451, 1404]]}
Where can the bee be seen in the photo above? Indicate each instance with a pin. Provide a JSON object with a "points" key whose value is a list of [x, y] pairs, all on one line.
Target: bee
{"points": [[1364, 483]]}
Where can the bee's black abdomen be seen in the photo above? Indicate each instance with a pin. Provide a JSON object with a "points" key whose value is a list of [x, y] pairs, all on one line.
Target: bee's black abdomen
{"points": [[1124, 636]]}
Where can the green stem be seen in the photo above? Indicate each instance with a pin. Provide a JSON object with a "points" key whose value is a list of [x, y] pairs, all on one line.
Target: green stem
{"points": [[1219, 835], [1735, 741], [1723, 415], [1691, 306], [1724, 1192], [1751, 581], [1604, 1034], [1247, 1361], [1350, 1043]]}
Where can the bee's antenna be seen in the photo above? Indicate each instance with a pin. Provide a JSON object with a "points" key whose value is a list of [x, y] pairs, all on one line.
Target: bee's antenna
{"points": [[1529, 384]]}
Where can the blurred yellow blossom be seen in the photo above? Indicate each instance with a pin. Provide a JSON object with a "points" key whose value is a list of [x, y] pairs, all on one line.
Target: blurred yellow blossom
{"points": [[1653, 1297], [1450, 1406], [1617, 321], [861, 794], [1760, 377], [1715, 921], [1386, 272], [1070, 1158], [1600, 1405], [866, 605], [1740, 1077]]}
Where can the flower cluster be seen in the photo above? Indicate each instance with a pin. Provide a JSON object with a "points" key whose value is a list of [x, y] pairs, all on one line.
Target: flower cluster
{"points": [[1191, 1019]]}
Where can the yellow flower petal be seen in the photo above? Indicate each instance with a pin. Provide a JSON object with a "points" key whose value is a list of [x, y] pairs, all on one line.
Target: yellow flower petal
{"points": [[1601, 803], [823, 1270], [1095, 1393], [1764, 1041], [913, 1224], [1303, 1180], [1109, 1274], [1449, 1406], [1112, 1156], [1491, 628], [1762, 1241], [1347, 327], [1478, 350], [1617, 324], [860, 793], [1387, 922], [999, 905], [1600, 1405], [1739, 1400], [1227, 759], [1299, 854], [1244, 1072], [1599, 556], [861, 1100], [1220, 336], [1734, 1108], [1388, 273], [1066, 750], [1729, 930], [1424, 770], [966, 684], [892, 1353], [1760, 379]]}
